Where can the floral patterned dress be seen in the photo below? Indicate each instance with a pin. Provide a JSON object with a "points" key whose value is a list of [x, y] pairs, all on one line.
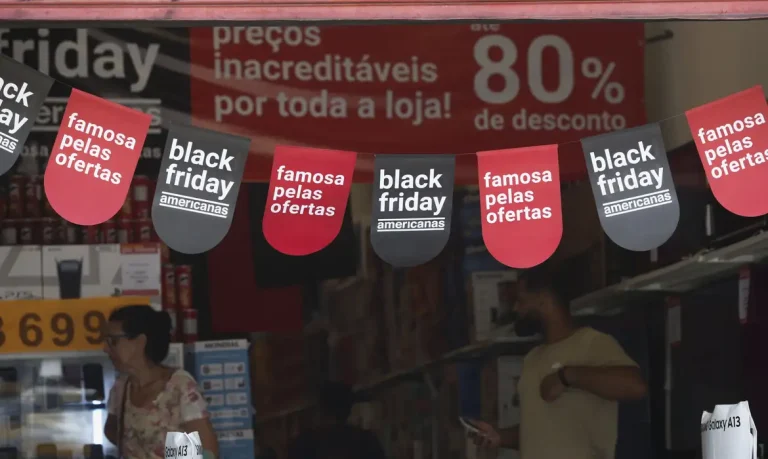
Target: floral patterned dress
{"points": [[145, 427]]}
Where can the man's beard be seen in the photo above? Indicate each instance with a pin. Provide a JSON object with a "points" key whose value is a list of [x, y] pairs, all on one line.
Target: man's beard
{"points": [[527, 326]]}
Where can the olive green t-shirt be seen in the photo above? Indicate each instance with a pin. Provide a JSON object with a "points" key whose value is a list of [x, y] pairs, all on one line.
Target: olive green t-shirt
{"points": [[578, 425]]}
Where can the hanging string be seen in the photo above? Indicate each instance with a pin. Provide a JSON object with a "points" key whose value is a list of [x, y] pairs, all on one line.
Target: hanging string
{"points": [[559, 144]]}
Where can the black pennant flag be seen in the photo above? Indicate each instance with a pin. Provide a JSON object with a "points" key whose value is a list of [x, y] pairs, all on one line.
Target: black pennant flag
{"points": [[22, 93], [633, 187], [197, 188], [411, 210]]}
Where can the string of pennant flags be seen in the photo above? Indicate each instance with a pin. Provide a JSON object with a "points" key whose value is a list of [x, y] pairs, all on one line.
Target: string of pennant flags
{"points": [[99, 143]]}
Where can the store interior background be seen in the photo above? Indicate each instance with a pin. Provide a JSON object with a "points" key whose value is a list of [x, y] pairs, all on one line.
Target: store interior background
{"points": [[370, 340], [422, 350], [718, 360]]}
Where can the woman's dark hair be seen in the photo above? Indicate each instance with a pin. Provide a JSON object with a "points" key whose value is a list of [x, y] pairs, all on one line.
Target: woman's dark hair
{"points": [[143, 320]]}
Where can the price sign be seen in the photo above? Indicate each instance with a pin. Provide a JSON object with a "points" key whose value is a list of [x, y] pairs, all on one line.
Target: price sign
{"points": [[437, 88], [591, 68], [57, 325]]}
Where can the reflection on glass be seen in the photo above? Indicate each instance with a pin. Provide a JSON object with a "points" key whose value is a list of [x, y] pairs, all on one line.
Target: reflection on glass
{"points": [[54, 407]]}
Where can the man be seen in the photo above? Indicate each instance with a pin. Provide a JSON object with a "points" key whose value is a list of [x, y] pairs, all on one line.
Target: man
{"points": [[570, 385], [333, 437]]}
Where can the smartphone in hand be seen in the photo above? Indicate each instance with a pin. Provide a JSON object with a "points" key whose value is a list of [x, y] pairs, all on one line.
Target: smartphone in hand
{"points": [[468, 426]]}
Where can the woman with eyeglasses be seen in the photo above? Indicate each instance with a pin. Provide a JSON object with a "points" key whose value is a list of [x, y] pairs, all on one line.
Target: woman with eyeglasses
{"points": [[148, 399]]}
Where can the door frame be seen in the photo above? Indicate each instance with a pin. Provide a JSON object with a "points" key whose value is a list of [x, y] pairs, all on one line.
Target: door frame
{"points": [[356, 10]]}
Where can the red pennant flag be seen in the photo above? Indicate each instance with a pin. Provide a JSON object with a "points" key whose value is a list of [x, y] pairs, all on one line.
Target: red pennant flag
{"points": [[94, 157], [731, 135], [520, 204], [308, 195]]}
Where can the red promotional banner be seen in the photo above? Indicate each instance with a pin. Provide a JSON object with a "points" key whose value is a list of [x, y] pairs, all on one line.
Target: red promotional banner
{"points": [[437, 88], [94, 158], [307, 199], [731, 136], [520, 204]]}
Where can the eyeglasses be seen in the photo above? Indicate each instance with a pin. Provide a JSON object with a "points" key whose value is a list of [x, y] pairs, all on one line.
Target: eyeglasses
{"points": [[112, 340]]}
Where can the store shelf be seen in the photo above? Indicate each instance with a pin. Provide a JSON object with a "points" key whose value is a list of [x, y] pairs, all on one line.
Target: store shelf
{"points": [[52, 355], [683, 276], [499, 341], [297, 408]]}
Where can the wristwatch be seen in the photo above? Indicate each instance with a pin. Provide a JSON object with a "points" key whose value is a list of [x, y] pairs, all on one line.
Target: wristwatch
{"points": [[561, 377]]}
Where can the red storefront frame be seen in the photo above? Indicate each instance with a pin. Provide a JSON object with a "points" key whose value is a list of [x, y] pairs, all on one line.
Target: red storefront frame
{"points": [[265, 10]]}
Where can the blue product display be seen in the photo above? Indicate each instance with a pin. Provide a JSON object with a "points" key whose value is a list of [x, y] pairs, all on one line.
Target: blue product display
{"points": [[470, 381], [222, 372]]}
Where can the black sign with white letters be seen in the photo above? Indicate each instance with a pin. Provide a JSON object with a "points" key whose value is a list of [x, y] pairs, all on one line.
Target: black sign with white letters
{"points": [[632, 185], [197, 189], [22, 93], [412, 202]]}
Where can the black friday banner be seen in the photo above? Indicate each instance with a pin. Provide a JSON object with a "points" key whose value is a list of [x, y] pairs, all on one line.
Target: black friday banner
{"points": [[308, 192], [143, 69], [521, 209], [632, 186], [196, 192], [411, 209], [667, 168], [22, 92], [731, 136]]}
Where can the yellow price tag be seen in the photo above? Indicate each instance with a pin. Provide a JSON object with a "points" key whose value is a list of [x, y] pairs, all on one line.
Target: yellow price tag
{"points": [[57, 325]]}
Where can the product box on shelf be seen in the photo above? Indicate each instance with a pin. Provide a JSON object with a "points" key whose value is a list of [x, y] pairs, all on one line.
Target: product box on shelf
{"points": [[21, 273], [86, 271], [493, 296], [222, 372], [411, 319], [140, 270], [81, 271]]}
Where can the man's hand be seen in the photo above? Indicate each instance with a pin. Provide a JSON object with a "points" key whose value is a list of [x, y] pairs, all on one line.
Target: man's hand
{"points": [[551, 387], [487, 436]]}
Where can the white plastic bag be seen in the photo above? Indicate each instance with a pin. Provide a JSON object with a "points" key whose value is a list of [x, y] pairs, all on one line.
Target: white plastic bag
{"points": [[728, 432], [180, 445]]}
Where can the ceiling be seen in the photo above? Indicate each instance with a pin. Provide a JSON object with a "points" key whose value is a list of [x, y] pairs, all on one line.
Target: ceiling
{"points": [[362, 10]]}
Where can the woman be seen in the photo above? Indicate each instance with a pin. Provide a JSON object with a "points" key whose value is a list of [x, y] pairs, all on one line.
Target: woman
{"points": [[148, 399]]}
